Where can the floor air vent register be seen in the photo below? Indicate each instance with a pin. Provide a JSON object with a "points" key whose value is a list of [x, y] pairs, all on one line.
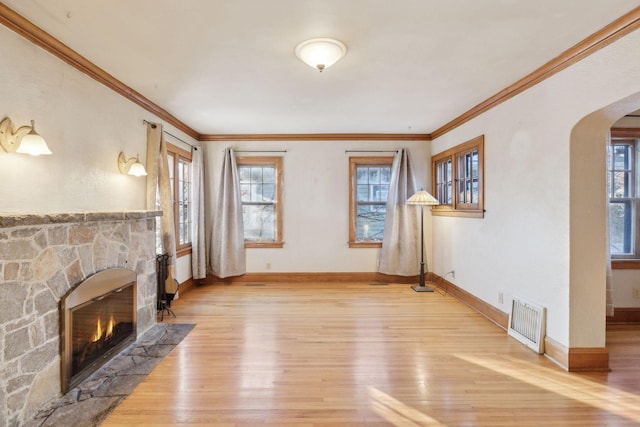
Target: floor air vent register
{"points": [[527, 324]]}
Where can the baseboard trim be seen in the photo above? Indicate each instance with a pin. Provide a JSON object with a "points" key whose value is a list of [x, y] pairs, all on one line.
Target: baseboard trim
{"points": [[187, 286], [495, 315], [556, 352], [588, 359], [311, 277], [624, 315], [577, 359]]}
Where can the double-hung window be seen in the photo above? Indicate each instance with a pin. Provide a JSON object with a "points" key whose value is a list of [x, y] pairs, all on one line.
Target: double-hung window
{"points": [[369, 187], [458, 178], [622, 189], [261, 193], [180, 181]]}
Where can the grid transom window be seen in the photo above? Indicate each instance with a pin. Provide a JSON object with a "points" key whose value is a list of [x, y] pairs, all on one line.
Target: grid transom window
{"points": [[370, 179], [260, 192]]}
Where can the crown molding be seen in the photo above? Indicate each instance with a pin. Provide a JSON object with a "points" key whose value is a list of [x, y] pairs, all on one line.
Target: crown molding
{"points": [[598, 40], [316, 137], [36, 35]]}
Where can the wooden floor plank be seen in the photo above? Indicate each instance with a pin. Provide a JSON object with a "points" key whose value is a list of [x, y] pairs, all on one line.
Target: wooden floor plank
{"points": [[349, 354]]}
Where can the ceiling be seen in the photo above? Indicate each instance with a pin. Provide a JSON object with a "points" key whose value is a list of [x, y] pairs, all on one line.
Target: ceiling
{"points": [[228, 66]]}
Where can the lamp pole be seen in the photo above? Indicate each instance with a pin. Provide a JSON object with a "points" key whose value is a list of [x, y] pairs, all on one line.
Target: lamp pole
{"points": [[422, 198]]}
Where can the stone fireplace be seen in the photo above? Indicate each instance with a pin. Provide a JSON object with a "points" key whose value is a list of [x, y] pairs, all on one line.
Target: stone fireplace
{"points": [[43, 261]]}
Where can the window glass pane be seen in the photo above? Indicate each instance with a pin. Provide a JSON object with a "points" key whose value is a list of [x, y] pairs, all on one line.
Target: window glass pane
{"points": [[256, 174], [362, 175], [259, 222], [269, 174], [171, 166], [370, 222], [245, 174], [621, 157], [268, 192], [245, 192], [621, 181], [621, 228], [363, 193], [374, 176], [385, 175]]}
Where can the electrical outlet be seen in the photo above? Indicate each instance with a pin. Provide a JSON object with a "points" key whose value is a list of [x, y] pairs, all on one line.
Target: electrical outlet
{"points": [[500, 298], [268, 266], [453, 274], [636, 293]]}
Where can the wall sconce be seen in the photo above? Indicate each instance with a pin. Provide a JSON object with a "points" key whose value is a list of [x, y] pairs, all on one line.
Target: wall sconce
{"points": [[131, 166], [25, 140]]}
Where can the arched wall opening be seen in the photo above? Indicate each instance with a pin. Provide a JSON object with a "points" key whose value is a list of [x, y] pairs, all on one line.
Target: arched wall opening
{"points": [[588, 218]]}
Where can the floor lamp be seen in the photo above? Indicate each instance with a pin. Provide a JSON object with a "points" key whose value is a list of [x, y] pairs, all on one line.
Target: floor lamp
{"points": [[422, 199]]}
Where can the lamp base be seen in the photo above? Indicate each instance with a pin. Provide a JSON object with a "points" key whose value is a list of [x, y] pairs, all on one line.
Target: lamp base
{"points": [[419, 288]]}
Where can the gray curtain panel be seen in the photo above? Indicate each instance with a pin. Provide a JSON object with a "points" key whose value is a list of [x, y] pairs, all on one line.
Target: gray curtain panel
{"points": [[400, 253], [159, 187], [227, 253], [198, 255]]}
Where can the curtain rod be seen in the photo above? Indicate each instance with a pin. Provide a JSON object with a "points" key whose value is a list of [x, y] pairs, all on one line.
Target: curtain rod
{"points": [[370, 151], [260, 151], [153, 125]]}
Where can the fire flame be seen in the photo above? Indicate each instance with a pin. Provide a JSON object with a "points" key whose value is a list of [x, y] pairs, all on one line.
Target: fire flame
{"points": [[110, 326], [99, 332]]}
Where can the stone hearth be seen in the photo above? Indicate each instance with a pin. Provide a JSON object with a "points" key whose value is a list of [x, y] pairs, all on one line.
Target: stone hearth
{"points": [[42, 257]]}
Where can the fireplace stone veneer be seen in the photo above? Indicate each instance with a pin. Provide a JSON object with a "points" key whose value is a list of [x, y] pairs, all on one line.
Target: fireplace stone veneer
{"points": [[42, 258]]}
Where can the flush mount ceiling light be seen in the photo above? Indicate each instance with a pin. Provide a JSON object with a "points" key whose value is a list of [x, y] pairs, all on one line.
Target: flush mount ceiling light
{"points": [[320, 53]]}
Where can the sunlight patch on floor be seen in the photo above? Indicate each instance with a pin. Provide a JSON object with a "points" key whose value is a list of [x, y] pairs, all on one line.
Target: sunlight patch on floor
{"points": [[569, 385], [397, 413]]}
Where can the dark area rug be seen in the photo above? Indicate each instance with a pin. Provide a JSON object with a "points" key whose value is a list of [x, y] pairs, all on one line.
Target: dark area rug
{"points": [[95, 398]]}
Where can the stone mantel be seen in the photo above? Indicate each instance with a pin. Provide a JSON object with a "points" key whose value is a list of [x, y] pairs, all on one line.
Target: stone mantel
{"points": [[20, 220]]}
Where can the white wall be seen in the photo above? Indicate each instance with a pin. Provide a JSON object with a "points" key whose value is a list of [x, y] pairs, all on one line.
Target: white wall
{"points": [[522, 246], [315, 202], [84, 123]]}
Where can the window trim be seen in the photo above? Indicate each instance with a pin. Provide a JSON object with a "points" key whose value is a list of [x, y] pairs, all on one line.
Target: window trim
{"points": [[624, 262], [457, 209], [353, 163], [277, 162], [178, 153]]}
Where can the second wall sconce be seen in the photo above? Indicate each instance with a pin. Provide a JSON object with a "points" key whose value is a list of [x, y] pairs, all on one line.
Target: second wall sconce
{"points": [[131, 166], [25, 140]]}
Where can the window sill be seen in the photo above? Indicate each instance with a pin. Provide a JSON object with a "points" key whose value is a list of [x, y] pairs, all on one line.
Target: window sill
{"points": [[448, 211], [365, 244], [263, 245], [183, 252], [625, 264]]}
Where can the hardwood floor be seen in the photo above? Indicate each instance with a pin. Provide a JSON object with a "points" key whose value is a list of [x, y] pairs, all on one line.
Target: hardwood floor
{"points": [[351, 354]]}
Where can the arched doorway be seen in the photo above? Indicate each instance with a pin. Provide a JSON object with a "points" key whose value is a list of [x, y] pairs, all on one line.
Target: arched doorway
{"points": [[588, 216]]}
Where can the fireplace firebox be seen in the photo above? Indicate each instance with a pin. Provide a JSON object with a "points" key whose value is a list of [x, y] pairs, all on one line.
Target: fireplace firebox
{"points": [[98, 320]]}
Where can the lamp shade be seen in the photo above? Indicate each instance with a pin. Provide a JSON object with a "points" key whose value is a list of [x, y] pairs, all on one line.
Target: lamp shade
{"points": [[137, 169], [422, 197], [33, 144], [320, 53]]}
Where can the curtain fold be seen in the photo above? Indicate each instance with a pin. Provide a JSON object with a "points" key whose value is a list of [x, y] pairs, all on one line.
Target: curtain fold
{"points": [[400, 253], [159, 188], [198, 255], [227, 253]]}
